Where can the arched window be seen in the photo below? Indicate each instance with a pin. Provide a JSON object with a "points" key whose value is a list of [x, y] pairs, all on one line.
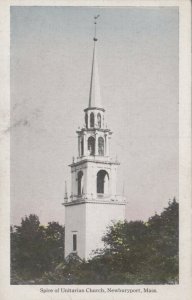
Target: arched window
{"points": [[92, 120], [99, 120], [91, 145], [82, 147], [101, 146], [80, 183], [86, 120], [102, 182]]}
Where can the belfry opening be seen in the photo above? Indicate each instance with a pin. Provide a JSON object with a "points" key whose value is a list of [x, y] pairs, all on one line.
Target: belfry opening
{"points": [[101, 146], [99, 120], [91, 145], [92, 120], [102, 182], [80, 183]]}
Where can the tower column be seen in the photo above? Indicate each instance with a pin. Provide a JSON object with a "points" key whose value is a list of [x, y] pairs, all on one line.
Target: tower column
{"points": [[109, 144], [88, 119], [96, 143], [106, 145], [79, 146], [85, 143]]}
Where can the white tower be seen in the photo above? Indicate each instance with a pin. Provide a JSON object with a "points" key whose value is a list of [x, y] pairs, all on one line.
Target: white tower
{"points": [[93, 203]]}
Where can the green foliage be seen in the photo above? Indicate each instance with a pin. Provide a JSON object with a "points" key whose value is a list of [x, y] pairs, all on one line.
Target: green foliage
{"points": [[164, 241], [145, 252], [134, 253], [35, 248]]}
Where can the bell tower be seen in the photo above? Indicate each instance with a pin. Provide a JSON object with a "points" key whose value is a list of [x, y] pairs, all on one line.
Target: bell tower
{"points": [[94, 202]]}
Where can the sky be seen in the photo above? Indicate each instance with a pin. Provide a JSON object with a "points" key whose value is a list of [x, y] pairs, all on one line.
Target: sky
{"points": [[51, 52]]}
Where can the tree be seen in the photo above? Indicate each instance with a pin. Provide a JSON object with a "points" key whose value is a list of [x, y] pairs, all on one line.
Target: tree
{"points": [[164, 240], [27, 246], [35, 248], [54, 243], [145, 252], [135, 252]]}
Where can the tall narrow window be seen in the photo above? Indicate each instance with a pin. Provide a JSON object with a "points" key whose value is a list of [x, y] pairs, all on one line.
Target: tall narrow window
{"points": [[102, 182], [82, 147], [74, 242], [92, 120], [101, 146], [86, 120], [91, 145], [99, 120], [80, 183]]}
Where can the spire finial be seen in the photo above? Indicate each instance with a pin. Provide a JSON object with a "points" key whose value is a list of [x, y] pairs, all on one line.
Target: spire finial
{"points": [[94, 94], [66, 195], [95, 33]]}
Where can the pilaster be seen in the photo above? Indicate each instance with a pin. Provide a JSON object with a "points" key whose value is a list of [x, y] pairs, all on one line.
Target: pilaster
{"points": [[96, 143]]}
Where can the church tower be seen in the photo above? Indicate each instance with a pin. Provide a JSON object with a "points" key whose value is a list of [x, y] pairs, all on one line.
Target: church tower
{"points": [[94, 202]]}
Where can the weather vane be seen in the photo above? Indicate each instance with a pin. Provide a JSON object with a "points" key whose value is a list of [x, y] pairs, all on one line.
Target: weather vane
{"points": [[95, 22]]}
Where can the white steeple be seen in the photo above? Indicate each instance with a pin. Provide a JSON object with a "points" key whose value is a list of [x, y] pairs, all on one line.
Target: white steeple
{"points": [[95, 94], [93, 202]]}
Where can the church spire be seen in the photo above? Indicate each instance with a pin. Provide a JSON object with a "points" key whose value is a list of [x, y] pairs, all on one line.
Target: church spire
{"points": [[94, 94]]}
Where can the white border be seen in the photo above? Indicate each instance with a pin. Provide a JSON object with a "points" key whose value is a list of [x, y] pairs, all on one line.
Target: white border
{"points": [[176, 292]]}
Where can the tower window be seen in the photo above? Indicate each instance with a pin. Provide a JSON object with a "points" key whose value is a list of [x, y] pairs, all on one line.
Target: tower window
{"points": [[101, 146], [86, 120], [99, 120], [92, 120], [74, 242], [91, 145], [82, 147], [102, 182], [80, 183]]}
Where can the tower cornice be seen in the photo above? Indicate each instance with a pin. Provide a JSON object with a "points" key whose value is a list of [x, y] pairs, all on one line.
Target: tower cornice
{"points": [[94, 201], [95, 160], [106, 130], [94, 108]]}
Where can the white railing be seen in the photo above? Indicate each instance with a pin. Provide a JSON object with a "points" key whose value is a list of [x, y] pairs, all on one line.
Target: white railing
{"points": [[98, 196], [94, 157]]}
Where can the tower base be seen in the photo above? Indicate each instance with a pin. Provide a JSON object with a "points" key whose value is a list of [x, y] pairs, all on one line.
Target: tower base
{"points": [[87, 222]]}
